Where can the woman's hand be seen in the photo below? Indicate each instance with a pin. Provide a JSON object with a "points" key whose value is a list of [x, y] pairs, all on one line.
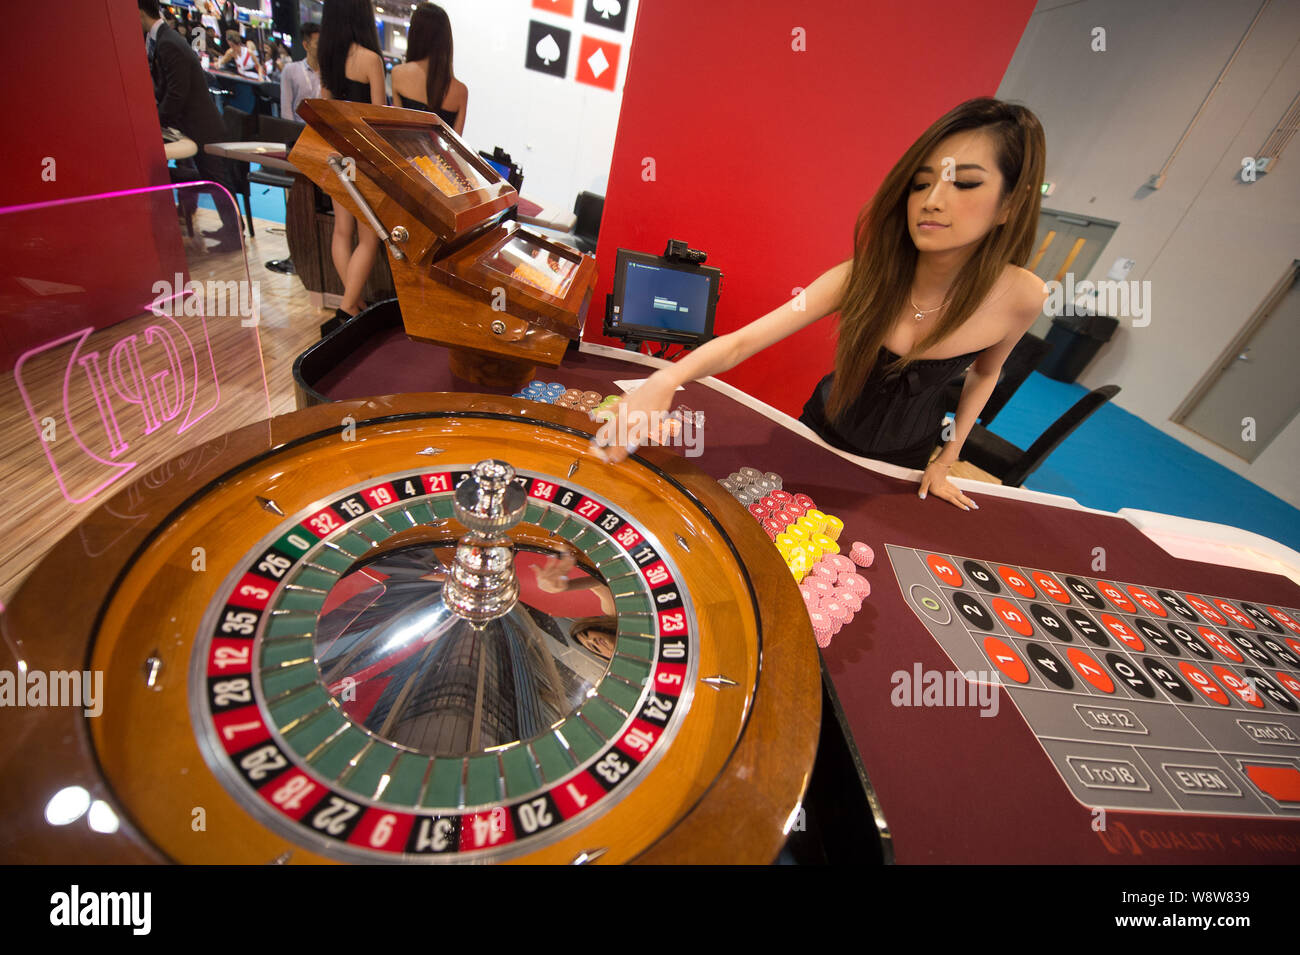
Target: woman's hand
{"points": [[935, 479], [551, 577], [637, 419]]}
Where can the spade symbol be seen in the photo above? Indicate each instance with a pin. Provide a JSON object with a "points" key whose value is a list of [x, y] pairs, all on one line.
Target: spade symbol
{"points": [[547, 49]]}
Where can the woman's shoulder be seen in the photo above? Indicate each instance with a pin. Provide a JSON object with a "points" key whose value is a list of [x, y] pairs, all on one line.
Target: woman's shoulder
{"points": [[363, 54], [1023, 291]]}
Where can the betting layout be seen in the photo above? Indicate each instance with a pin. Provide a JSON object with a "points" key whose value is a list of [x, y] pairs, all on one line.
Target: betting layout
{"points": [[299, 762], [1144, 697]]}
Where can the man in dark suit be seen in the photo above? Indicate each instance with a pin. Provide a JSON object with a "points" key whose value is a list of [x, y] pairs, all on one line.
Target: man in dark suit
{"points": [[180, 89]]}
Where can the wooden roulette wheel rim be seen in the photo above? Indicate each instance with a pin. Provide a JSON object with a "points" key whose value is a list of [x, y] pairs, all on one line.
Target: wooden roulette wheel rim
{"points": [[720, 784]]}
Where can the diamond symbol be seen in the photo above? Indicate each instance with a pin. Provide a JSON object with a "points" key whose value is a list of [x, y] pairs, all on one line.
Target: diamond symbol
{"points": [[598, 63]]}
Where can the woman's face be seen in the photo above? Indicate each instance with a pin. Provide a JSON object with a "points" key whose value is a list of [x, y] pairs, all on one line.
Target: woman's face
{"points": [[955, 198]]}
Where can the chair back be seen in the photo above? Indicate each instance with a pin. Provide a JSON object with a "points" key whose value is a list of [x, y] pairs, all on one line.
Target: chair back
{"points": [[1060, 429], [588, 208], [277, 129]]}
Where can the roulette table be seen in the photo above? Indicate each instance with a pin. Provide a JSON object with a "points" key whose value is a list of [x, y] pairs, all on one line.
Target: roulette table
{"points": [[317, 648], [1210, 779]]}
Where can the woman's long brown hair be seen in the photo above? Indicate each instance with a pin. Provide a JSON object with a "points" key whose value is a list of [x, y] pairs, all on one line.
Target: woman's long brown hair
{"points": [[884, 255]]}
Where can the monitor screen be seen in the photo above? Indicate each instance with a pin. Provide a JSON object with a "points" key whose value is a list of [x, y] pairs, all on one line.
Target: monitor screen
{"points": [[652, 293]]}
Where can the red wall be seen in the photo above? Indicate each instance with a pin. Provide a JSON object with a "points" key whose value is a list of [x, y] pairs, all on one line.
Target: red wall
{"points": [[764, 155], [78, 89]]}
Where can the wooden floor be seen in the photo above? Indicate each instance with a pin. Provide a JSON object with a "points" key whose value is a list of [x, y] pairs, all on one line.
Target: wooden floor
{"points": [[289, 324]]}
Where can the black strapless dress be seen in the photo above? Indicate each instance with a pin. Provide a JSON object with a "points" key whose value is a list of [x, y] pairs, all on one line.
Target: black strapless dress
{"points": [[898, 418], [448, 116], [353, 91]]}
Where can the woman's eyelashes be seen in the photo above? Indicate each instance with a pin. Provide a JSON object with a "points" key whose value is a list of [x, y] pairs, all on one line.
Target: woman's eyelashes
{"points": [[960, 185]]}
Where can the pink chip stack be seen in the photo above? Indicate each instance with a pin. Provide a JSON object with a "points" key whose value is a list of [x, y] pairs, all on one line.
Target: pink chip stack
{"points": [[819, 585], [823, 629], [836, 610], [811, 598], [825, 570], [850, 600], [854, 583], [861, 554]]}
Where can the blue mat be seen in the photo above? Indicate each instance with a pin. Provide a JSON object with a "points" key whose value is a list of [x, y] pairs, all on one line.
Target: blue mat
{"points": [[268, 202], [1115, 460]]}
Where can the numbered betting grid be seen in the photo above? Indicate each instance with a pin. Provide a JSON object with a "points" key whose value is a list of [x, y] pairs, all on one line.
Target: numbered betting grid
{"points": [[1143, 697]]}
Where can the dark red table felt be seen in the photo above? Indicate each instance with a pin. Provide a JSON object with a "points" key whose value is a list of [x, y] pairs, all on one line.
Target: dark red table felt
{"points": [[955, 787]]}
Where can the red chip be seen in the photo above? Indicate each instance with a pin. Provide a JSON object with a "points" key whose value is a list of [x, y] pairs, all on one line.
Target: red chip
{"points": [[796, 509], [780, 495], [759, 511], [804, 501]]}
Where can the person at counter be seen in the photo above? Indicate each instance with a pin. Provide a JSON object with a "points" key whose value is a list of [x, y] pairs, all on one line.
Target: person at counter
{"points": [[936, 284], [425, 80], [242, 54], [181, 92], [301, 78], [351, 69]]}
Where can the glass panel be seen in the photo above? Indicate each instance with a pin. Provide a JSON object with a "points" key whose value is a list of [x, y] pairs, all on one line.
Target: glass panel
{"points": [[126, 339], [432, 152], [531, 263]]}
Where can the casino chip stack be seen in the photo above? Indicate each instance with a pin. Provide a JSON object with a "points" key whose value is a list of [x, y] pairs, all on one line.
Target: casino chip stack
{"points": [[554, 393], [808, 540]]}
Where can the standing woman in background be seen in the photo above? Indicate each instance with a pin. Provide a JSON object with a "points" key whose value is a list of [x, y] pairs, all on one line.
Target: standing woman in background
{"points": [[425, 80], [351, 69]]}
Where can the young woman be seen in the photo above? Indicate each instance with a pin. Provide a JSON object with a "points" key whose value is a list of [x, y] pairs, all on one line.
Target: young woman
{"points": [[935, 285], [425, 80], [351, 68]]}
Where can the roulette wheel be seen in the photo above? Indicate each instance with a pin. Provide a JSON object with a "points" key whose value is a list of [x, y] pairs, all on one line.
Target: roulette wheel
{"points": [[328, 644]]}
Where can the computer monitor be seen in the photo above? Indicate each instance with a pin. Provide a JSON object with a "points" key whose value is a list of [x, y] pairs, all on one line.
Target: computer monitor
{"points": [[662, 300]]}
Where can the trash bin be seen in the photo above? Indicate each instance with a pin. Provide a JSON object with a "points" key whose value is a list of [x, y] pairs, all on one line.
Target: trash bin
{"points": [[1072, 341]]}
